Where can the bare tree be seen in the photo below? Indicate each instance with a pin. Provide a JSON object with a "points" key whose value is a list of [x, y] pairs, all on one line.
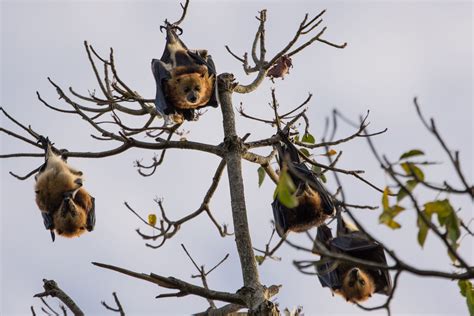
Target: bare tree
{"points": [[107, 114]]}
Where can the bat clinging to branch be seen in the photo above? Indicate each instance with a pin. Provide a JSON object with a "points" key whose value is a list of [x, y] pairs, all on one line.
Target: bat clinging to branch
{"points": [[65, 205], [314, 203], [185, 79], [354, 283]]}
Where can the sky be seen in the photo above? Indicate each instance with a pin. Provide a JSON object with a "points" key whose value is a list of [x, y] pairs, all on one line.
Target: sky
{"points": [[396, 50]]}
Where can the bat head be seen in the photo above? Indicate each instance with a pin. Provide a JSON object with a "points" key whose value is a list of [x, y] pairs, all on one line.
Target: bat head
{"points": [[70, 220], [357, 285], [190, 90]]}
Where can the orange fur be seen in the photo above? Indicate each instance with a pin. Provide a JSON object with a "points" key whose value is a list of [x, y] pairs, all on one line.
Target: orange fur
{"points": [[356, 287], [183, 86], [57, 181]]}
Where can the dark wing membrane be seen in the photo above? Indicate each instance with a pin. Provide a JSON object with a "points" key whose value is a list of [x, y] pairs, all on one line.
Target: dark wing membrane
{"points": [[291, 150], [47, 220], [315, 184], [160, 73], [211, 68], [281, 225], [90, 224], [328, 274], [350, 244]]}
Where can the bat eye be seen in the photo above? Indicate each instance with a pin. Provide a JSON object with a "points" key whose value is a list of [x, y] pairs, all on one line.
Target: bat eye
{"points": [[362, 282], [197, 88], [186, 90]]}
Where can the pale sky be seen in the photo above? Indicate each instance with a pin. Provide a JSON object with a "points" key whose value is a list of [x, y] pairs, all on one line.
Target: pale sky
{"points": [[396, 50]]}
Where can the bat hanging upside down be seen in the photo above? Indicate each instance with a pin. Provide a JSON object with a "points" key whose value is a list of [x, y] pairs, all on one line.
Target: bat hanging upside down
{"points": [[185, 79], [65, 205], [314, 202], [354, 283]]}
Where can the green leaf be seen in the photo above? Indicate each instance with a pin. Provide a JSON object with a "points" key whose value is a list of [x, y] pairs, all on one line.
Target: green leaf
{"points": [[388, 220], [296, 138], [305, 152], [402, 193], [323, 178], [308, 138], [468, 292], [386, 192], [316, 169], [412, 170], [259, 259], [452, 227], [389, 212], [423, 229], [285, 190], [440, 207], [261, 175], [451, 255], [411, 153]]}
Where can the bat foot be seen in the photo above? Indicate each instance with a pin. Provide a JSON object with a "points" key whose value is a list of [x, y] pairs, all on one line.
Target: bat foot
{"points": [[44, 141]]}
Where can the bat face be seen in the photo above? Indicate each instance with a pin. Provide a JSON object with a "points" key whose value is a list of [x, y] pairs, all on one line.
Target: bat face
{"points": [[357, 285], [189, 91], [71, 219]]}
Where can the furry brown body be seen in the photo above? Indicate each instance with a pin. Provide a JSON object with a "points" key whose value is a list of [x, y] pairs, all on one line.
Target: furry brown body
{"points": [[61, 197], [308, 213]]}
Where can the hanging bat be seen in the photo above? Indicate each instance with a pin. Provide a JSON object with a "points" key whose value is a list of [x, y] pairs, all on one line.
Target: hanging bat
{"points": [[280, 68], [65, 205], [185, 79], [354, 283], [314, 202]]}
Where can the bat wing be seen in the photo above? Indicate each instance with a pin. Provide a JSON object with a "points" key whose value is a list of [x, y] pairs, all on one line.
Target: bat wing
{"points": [[47, 220], [48, 223], [281, 224], [352, 243], [160, 73], [329, 274], [90, 223], [213, 101]]}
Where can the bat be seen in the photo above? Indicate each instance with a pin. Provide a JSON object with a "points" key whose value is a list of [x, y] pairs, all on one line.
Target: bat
{"points": [[354, 283], [66, 207], [314, 202], [185, 79], [280, 68]]}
